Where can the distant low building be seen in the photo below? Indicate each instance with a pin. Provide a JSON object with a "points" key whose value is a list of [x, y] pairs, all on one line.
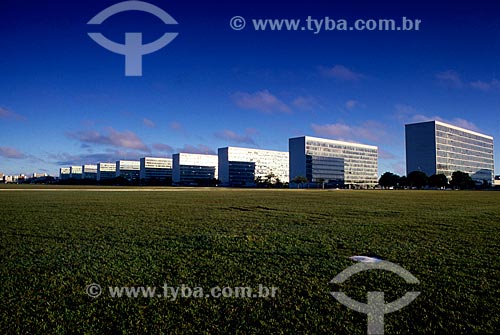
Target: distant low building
{"points": [[76, 172], [10, 179], [64, 173]]}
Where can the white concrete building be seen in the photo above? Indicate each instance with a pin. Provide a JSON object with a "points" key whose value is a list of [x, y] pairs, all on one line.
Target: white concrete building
{"points": [[76, 172], [106, 171], [335, 163], [435, 147], [155, 169], [241, 166], [194, 169], [89, 171], [129, 170], [64, 173]]}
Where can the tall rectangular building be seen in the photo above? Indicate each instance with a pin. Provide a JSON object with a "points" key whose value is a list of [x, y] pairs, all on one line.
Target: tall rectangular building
{"points": [[335, 163], [129, 170], [435, 147], [194, 169], [106, 171], [241, 166], [156, 169]]}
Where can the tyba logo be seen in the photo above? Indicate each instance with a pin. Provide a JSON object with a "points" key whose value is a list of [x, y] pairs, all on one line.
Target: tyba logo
{"points": [[375, 308], [133, 49]]}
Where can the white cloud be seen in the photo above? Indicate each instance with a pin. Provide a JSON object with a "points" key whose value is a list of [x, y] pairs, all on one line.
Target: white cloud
{"points": [[305, 103], [10, 115], [351, 104], [198, 149], [369, 130], [262, 101], [385, 154], [231, 136], [148, 123], [176, 126], [493, 84], [341, 72], [450, 78], [163, 147], [8, 152], [112, 137]]}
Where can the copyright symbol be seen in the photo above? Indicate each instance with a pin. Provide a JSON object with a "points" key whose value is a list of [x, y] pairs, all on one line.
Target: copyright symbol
{"points": [[237, 23], [93, 290]]}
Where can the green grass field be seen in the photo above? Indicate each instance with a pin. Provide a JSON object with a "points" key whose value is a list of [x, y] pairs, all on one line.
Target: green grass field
{"points": [[54, 243]]}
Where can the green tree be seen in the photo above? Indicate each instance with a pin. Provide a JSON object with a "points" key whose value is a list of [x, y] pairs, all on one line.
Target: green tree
{"points": [[278, 183], [389, 179], [461, 180], [402, 182], [417, 179], [438, 180], [270, 179], [321, 182], [299, 180]]}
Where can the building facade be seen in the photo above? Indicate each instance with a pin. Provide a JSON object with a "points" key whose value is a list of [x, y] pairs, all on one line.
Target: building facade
{"points": [[242, 166], [106, 171], [129, 170], [194, 169], [64, 173], [156, 169], [435, 147], [333, 163], [76, 172], [89, 172]]}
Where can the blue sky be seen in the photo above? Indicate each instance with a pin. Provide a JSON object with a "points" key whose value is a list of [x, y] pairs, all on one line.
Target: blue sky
{"points": [[65, 100]]}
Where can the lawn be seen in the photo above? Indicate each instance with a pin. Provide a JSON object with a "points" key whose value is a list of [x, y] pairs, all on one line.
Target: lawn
{"points": [[55, 243]]}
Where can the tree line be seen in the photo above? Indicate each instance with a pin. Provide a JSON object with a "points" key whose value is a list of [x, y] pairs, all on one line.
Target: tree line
{"points": [[418, 179]]}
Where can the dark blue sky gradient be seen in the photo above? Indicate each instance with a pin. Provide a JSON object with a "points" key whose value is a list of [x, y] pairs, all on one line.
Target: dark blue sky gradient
{"points": [[65, 100]]}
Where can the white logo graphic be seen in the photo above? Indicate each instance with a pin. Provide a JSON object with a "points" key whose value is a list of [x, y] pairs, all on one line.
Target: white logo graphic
{"points": [[376, 306], [133, 49]]}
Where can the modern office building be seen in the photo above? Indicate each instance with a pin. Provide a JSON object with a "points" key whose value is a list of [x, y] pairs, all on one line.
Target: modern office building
{"points": [[435, 147], [241, 166], [156, 169], [89, 172], [129, 170], [194, 169], [75, 172], [64, 173], [334, 163], [106, 171]]}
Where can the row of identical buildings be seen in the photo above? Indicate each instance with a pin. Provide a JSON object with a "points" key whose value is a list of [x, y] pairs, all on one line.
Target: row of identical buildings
{"points": [[432, 147], [329, 162]]}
